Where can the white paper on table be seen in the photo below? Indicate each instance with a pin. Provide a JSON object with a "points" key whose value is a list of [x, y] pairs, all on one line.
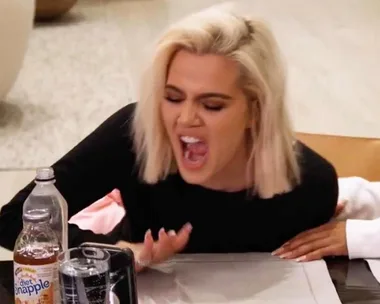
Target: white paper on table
{"points": [[374, 265], [237, 278]]}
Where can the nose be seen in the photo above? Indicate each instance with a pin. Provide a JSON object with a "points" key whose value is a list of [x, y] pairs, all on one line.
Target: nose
{"points": [[188, 115]]}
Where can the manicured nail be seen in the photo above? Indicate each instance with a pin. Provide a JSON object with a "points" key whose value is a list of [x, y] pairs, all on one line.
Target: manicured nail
{"points": [[148, 234], [301, 259], [279, 251], [142, 262], [285, 255], [188, 227], [172, 233]]}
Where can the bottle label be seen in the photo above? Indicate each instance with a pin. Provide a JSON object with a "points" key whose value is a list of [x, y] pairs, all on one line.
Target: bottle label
{"points": [[35, 284]]}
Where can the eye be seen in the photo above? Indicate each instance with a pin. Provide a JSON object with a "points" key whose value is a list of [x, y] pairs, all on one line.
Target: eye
{"points": [[173, 99], [213, 107]]}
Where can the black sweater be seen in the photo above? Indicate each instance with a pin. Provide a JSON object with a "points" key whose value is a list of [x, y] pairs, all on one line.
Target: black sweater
{"points": [[222, 222]]}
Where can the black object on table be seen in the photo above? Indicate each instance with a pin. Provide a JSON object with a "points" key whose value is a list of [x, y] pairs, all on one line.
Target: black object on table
{"points": [[353, 281]]}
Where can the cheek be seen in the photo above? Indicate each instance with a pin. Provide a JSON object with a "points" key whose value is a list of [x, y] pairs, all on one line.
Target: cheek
{"points": [[229, 137], [166, 114]]}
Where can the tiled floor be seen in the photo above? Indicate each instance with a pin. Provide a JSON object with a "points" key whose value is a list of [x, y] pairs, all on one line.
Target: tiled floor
{"points": [[331, 47]]}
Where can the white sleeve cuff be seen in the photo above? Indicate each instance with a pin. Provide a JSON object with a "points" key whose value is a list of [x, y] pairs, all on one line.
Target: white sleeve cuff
{"points": [[363, 238]]}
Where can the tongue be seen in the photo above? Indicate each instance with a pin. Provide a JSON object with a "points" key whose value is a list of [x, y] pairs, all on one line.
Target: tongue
{"points": [[198, 148]]}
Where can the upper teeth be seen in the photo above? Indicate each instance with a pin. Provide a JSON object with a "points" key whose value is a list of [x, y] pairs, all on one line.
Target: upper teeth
{"points": [[190, 140]]}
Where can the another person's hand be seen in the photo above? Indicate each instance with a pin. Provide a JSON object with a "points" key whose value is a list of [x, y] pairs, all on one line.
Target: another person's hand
{"points": [[340, 207], [314, 244], [152, 252]]}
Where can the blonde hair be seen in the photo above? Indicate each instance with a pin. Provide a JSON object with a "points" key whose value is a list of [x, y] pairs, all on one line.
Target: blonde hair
{"points": [[273, 165]]}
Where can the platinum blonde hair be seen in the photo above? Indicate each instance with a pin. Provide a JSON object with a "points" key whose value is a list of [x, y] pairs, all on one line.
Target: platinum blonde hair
{"points": [[272, 165]]}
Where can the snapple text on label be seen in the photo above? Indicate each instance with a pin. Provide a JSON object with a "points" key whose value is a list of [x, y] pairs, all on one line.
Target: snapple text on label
{"points": [[34, 284]]}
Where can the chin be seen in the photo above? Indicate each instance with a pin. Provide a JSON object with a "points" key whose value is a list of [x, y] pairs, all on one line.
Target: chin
{"points": [[194, 178]]}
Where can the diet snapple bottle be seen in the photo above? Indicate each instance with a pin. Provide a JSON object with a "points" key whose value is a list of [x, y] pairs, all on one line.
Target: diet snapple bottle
{"points": [[35, 261]]}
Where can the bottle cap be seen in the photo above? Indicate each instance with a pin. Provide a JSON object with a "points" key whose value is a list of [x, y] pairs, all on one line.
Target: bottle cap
{"points": [[45, 174], [36, 216]]}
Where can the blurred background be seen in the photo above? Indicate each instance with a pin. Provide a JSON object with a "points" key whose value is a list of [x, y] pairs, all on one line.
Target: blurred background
{"points": [[66, 65]]}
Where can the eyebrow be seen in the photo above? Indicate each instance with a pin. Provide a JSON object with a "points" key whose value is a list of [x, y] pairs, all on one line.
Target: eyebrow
{"points": [[202, 95]]}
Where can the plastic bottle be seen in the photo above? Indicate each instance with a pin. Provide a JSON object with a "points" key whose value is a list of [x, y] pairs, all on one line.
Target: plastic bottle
{"points": [[46, 196], [35, 261]]}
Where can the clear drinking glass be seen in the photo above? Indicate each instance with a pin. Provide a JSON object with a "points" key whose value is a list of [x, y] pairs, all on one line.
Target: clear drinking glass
{"points": [[84, 276], [90, 274]]}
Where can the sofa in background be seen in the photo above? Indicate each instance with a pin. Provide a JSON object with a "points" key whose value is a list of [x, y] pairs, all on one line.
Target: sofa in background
{"points": [[351, 156]]}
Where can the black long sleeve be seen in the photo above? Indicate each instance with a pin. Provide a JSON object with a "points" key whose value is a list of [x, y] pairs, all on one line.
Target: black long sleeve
{"points": [[222, 222]]}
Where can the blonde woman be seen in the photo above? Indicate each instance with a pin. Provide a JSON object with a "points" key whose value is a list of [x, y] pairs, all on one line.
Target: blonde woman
{"points": [[206, 160]]}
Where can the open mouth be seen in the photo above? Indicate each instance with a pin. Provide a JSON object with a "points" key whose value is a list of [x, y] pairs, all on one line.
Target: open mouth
{"points": [[194, 151]]}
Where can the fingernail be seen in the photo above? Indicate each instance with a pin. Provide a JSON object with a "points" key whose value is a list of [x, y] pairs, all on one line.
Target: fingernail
{"points": [[172, 233], [301, 259], [188, 227], [148, 233], [279, 251], [143, 263], [285, 255], [162, 231]]}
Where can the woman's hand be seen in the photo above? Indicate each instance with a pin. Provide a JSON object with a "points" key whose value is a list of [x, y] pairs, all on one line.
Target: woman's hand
{"points": [[152, 252], [314, 244]]}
